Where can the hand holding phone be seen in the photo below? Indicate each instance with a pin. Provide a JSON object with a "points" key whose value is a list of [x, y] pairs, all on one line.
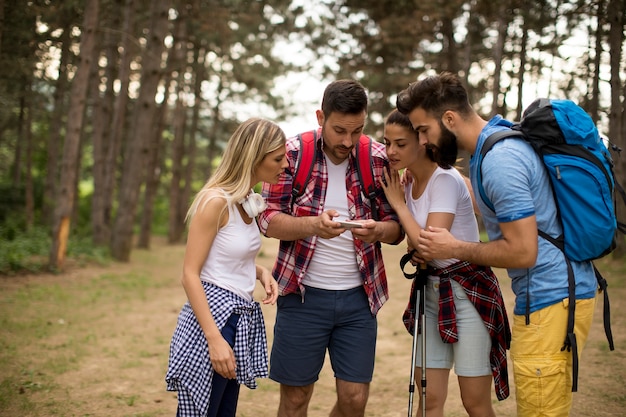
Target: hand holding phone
{"points": [[350, 225]]}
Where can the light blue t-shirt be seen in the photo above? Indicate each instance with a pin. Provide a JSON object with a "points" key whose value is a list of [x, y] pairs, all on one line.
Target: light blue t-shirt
{"points": [[516, 182]]}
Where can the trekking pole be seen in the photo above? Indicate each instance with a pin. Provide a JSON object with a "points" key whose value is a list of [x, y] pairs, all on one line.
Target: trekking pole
{"points": [[423, 278], [419, 285]]}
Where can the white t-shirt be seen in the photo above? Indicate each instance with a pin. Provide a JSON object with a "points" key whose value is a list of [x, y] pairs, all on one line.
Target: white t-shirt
{"points": [[333, 265], [446, 192], [231, 261]]}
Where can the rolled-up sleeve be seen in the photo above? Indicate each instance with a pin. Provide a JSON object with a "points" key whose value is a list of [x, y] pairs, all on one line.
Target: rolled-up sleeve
{"points": [[385, 212], [278, 196]]}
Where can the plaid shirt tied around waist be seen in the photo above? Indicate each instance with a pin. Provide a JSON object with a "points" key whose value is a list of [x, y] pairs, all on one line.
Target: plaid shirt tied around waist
{"points": [[482, 289], [189, 362]]}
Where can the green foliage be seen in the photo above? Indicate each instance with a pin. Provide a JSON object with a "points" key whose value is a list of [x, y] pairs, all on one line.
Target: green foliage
{"points": [[23, 250], [81, 249], [12, 201], [160, 215], [27, 250]]}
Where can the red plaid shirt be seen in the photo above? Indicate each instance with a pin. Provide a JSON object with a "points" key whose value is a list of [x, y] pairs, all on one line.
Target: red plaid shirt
{"points": [[482, 289], [295, 256]]}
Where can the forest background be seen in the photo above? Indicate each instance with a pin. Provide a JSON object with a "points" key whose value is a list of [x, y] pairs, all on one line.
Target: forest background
{"points": [[114, 112]]}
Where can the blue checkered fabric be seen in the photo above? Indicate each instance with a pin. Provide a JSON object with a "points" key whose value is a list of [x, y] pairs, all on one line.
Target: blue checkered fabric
{"points": [[190, 367]]}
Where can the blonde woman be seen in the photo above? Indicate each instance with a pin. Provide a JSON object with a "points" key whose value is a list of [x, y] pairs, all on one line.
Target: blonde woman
{"points": [[220, 342]]}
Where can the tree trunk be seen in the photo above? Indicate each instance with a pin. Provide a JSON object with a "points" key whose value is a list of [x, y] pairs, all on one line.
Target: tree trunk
{"points": [[29, 197], [450, 47], [155, 165], [102, 122], [134, 163], [213, 135], [199, 73], [17, 156], [595, 77], [67, 190], [522, 67], [1, 21], [175, 218], [468, 47], [103, 235], [55, 139], [615, 14], [498, 54]]}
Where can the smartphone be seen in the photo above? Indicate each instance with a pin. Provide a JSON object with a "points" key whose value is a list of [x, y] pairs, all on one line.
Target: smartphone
{"points": [[350, 225]]}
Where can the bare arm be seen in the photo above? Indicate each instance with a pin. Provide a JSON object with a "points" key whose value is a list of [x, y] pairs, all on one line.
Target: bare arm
{"points": [[468, 183], [517, 248], [394, 191], [202, 232], [269, 284]]}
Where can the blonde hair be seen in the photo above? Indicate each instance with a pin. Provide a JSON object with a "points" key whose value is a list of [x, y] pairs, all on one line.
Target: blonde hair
{"points": [[245, 150]]}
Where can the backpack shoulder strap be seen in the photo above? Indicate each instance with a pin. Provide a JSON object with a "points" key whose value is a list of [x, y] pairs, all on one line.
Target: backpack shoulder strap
{"points": [[364, 165], [304, 165], [366, 171], [487, 145], [306, 160], [495, 137]]}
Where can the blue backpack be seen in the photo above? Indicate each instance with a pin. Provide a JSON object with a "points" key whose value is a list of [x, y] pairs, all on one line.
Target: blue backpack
{"points": [[580, 169]]}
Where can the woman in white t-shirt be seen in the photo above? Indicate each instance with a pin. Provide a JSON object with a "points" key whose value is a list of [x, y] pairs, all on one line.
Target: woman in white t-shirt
{"points": [[436, 194], [220, 341]]}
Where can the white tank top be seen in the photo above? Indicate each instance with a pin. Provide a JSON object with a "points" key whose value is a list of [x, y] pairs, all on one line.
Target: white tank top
{"points": [[446, 192], [231, 260], [333, 265]]}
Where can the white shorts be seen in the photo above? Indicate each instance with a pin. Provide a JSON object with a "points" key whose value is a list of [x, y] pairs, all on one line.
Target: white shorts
{"points": [[470, 355]]}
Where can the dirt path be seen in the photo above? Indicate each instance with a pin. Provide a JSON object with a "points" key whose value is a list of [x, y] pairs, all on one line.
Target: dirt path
{"points": [[97, 341]]}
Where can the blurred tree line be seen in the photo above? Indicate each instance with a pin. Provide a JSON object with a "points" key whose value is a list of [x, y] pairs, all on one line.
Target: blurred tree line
{"points": [[112, 112]]}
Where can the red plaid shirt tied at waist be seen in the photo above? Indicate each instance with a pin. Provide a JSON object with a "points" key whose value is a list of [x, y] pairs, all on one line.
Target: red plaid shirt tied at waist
{"points": [[482, 289]]}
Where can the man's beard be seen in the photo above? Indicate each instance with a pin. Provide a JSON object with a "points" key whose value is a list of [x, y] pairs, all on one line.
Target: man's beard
{"points": [[446, 151], [332, 150]]}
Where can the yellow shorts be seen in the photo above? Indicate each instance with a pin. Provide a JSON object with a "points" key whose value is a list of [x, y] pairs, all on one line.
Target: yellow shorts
{"points": [[542, 372]]}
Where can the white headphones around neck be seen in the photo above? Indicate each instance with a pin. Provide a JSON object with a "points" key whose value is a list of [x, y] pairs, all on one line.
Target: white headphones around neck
{"points": [[253, 204]]}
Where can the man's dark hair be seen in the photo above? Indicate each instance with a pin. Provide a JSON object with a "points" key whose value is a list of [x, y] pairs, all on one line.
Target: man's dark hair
{"points": [[344, 96], [435, 94]]}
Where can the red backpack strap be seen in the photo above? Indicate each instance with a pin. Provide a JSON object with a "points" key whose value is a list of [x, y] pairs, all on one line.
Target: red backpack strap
{"points": [[304, 165], [306, 160], [364, 165], [366, 171]]}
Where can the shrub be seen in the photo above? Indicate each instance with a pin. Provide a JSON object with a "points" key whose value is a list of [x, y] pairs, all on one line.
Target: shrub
{"points": [[28, 250]]}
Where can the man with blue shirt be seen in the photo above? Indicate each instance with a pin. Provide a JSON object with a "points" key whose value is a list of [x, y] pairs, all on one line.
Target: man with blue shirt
{"points": [[515, 180]]}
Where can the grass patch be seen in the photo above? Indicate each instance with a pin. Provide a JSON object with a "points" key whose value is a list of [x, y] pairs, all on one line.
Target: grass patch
{"points": [[12, 398], [75, 344], [57, 329]]}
